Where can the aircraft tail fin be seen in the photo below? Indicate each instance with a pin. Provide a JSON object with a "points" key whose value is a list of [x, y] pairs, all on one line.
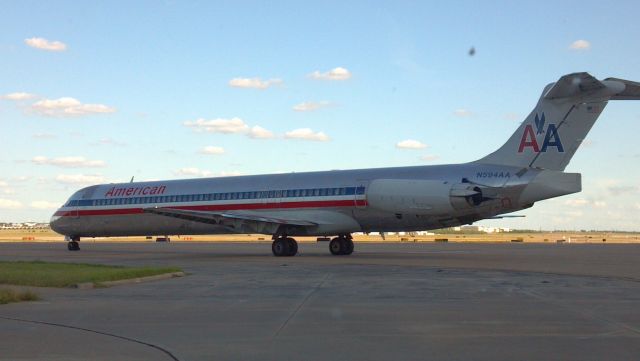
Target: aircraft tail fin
{"points": [[567, 109]]}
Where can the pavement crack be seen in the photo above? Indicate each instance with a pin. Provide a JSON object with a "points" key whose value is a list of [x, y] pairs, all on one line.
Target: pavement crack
{"points": [[306, 298], [165, 351]]}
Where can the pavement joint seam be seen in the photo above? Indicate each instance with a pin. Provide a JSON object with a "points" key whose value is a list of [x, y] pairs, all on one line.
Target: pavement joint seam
{"points": [[167, 352], [306, 298]]}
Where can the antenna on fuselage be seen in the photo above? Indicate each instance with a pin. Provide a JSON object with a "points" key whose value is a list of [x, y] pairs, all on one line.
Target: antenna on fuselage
{"points": [[131, 181]]}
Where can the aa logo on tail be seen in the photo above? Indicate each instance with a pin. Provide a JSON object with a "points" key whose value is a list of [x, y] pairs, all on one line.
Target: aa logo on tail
{"points": [[530, 137]]}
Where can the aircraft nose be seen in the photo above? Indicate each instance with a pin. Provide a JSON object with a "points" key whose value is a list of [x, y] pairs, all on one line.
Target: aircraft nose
{"points": [[54, 222]]}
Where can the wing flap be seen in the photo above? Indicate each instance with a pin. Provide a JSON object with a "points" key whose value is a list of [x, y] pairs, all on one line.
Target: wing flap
{"points": [[219, 217]]}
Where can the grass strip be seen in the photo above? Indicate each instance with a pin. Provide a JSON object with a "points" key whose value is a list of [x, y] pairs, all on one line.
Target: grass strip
{"points": [[50, 274], [8, 295]]}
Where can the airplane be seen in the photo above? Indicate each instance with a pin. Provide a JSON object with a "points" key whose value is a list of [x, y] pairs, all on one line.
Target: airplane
{"points": [[528, 168]]}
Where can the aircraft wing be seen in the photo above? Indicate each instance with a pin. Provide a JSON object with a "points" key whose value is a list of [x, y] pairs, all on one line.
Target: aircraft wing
{"points": [[232, 220]]}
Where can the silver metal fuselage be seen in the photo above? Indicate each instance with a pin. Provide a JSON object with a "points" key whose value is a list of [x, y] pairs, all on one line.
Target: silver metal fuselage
{"points": [[338, 201]]}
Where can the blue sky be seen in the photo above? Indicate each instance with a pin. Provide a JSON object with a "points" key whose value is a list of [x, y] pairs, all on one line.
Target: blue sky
{"points": [[115, 96]]}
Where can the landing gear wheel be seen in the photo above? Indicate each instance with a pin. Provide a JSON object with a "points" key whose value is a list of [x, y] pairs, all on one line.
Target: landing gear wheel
{"points": [[341, 246], [348, 247], [293, 247], [73, 246], [336, 246], [284, 247], [280, 247]]}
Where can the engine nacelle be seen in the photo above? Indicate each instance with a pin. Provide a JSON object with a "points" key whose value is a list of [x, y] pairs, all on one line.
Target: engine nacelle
{"points": [[424, 197]]}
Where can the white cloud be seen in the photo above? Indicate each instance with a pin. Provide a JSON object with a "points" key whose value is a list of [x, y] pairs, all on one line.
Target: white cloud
{"points": [[192, 171], [80, 179], [44, 205], [258, 132], [410, 144], [254, 83], [18, 96], [44, 136], [68, 107], [229, 126], [338, 73], [220, 125], [429, 157], [110, 141], [579, 202], [9, 204], [212, 150], [574, 214], [580, 45], [619, 190], [310, 106], [462, 113], [196, 172], [306, 134], [5, 188], [44, 44], [69, 162]]}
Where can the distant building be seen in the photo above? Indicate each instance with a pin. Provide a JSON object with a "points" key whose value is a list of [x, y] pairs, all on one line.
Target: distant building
{"points": [[481, 229], [24, 225]]}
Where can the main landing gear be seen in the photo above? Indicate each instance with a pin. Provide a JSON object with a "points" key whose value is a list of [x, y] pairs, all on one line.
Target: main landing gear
{"points": [[341, 245], [72, 244], [284, 246]]}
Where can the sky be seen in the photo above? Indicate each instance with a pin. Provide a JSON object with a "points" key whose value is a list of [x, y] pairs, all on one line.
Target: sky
{"points": [[96, 92]]}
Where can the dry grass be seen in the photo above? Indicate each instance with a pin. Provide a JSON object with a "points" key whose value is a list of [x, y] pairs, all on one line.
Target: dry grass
{"points": [[8, 295], [574, 237]]}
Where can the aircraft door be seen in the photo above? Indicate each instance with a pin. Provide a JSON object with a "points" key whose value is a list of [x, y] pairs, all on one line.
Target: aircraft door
{"points": [[360, 195]]}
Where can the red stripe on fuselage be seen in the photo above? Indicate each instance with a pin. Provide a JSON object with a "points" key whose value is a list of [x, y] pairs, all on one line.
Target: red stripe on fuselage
{"points": [[218, 207]]}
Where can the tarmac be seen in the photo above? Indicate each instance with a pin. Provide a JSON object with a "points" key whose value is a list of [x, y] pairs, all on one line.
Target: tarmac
{"points": [[387, 301]]}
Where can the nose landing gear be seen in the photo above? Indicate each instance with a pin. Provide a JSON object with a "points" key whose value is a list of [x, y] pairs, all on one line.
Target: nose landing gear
{"points": [[72, 244]]}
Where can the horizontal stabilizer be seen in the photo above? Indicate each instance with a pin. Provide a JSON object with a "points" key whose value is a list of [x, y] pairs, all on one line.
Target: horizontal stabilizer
{"points": [[573, 84], [583, 86], [631, 90]]}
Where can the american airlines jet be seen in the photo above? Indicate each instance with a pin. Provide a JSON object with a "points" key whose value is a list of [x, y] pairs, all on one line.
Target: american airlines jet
{"points": [[528, 168]]}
